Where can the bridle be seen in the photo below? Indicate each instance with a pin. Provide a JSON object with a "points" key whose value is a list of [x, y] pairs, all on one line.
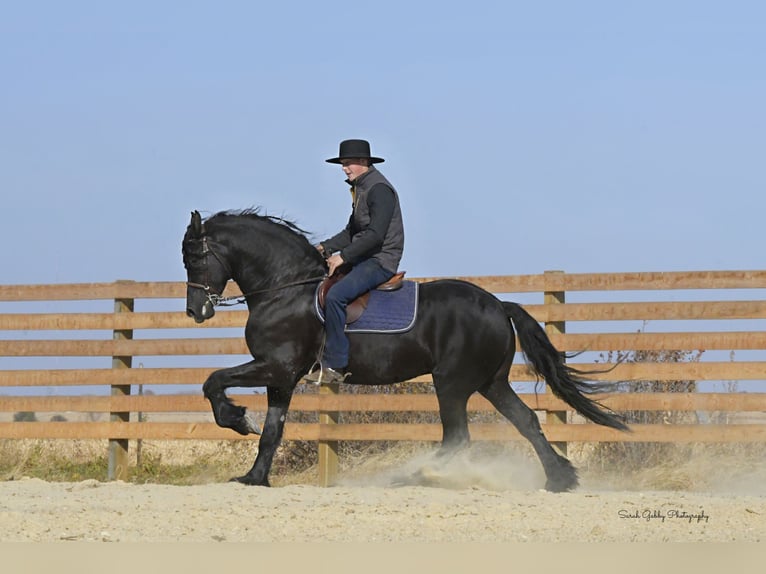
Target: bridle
{"points": [[218, 300]]}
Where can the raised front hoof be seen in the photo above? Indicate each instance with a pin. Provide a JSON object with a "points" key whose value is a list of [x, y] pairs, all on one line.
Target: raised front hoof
{"points": [[249, 481], [247, 425]]}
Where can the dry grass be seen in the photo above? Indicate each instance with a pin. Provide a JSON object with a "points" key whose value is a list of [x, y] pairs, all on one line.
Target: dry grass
{"points": [[172, 462], [730, 468]]}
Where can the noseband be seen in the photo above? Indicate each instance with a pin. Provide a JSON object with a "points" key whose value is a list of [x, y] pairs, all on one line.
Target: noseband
{"points": [[214, 298], [218, 300]]}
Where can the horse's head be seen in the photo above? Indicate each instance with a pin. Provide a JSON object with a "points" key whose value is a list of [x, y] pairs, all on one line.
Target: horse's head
{"points": [[206, 273]]}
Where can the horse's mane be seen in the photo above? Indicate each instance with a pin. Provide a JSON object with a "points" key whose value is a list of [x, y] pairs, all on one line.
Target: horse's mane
{"points": [[255, 213]]}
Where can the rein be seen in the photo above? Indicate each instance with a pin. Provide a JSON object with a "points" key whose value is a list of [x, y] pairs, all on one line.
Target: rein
{"points": [[221, 301]]}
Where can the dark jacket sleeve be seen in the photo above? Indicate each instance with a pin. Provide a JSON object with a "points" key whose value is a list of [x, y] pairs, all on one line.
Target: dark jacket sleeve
{"points": [[381, 202]]}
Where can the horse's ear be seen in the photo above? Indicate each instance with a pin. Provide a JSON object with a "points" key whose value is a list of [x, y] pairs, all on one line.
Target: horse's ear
{"points": [[196, 223]]}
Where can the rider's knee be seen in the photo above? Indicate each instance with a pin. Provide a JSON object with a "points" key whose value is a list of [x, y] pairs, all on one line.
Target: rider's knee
{"points": [[333, 297]]}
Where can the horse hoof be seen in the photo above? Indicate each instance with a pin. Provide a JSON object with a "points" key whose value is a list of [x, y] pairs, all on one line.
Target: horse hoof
{"points": [[561, 485], [250, 424], [421, 477], [248, 480], [246, 425]]}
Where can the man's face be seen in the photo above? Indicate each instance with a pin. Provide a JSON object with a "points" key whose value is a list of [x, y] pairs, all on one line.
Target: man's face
{"points": [[354, 167]]}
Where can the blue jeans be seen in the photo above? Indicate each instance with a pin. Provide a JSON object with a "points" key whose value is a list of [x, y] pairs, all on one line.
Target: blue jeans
{"points": [[364, 276]]}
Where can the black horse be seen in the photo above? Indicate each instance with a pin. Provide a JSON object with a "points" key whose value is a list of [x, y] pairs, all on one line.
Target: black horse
{"points": [[463, 337]]}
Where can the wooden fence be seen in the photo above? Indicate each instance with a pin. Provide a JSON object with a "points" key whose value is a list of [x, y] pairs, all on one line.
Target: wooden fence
{"points": [[124, 336]]}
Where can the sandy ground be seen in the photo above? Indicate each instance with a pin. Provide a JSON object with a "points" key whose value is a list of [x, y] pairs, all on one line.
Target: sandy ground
{"points": [[33, 510], [462, 504]]}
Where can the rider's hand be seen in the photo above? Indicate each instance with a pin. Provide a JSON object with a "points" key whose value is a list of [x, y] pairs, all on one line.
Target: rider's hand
{"points": [[334, 262]]}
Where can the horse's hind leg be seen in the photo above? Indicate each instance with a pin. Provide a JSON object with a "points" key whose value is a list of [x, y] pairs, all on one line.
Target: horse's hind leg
{"points": [[453, 412], [561, 475]]}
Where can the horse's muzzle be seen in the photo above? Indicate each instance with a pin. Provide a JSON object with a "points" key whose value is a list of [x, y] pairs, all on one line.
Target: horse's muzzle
{"points": [[203, 314]]}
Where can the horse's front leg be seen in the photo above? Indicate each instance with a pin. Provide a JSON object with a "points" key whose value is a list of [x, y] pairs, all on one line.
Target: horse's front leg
{"points": [[279, 401], [226, 413], [279, 384]]}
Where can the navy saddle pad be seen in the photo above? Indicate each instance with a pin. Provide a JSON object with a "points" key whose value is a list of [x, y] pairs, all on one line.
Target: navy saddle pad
{"points": [[386, 312]]}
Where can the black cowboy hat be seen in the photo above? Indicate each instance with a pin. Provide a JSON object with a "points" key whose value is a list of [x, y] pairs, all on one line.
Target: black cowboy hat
{"points": [[355, 149]]}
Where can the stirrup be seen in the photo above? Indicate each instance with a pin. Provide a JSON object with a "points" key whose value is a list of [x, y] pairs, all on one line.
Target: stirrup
{"points": [[325, 375], [315, 368]]}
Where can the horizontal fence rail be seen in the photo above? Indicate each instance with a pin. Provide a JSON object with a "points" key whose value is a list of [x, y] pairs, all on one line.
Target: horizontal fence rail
{"points": [[725, 323]]}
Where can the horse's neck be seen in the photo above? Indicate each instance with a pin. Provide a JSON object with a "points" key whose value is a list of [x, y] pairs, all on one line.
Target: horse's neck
{"points": [[271, 265]]}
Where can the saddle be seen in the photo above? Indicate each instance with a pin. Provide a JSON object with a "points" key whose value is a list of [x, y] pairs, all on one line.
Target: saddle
{"points": [[355, 309]]}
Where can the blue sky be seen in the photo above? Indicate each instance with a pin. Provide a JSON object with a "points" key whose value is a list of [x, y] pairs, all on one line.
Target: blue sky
{"points": [[521, 136]]}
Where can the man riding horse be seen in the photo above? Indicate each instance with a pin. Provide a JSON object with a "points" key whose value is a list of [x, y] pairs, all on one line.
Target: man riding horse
{"points": [[368, 249]]}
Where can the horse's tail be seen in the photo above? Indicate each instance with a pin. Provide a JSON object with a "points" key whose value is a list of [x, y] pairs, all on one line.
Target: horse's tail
{"points": [[548, 363]]}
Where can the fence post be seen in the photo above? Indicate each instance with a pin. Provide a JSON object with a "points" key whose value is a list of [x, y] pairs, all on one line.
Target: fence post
{"points": [[118, 448], [328, 449], [555, 328]]}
